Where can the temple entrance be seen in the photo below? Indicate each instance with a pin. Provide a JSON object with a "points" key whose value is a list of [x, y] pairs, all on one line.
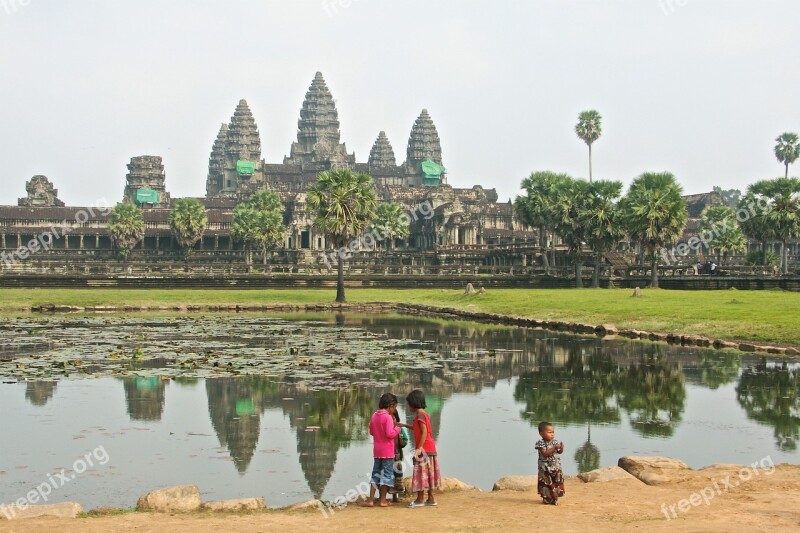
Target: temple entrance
{"points": [[305, 240]]}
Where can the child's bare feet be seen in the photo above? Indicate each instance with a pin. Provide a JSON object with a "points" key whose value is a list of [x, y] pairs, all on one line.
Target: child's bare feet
{"points": [[367, 504], [384, 504]]}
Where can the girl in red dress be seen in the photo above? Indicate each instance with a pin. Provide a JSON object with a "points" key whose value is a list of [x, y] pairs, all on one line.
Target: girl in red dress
{"points": [[427, 475]]}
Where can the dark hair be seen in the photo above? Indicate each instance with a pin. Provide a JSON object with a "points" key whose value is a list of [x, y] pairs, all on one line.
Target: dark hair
{"points": [[396, 416], [387, 400], [544, 425], [416, 399]]}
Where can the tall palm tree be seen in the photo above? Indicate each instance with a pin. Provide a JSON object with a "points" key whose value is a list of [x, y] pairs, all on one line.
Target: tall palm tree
{"points": [[127, 227], [601, 220], [787, 149], [589, 128], [188, 220], [391, 222], [720, 221], [571, 200], [654, 214], [344, 206], [537, 207]]}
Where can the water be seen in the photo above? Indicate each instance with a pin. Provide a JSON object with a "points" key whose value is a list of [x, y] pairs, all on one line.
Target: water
{"points": [[299, 431]]}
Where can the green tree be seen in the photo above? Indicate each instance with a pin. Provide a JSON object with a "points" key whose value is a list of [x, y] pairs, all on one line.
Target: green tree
{"points": [[570, 203], [787, 150], [391, 222], [782, 214], [601, 221], [731, 197], [127, 227], [258, 223], [770, 394], [754, 224], [344, 206], [654, 214], [589, 128], [720, 221], [537, 207], [188, 221]]}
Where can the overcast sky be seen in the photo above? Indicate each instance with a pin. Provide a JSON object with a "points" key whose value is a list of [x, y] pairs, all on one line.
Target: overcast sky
{"points": [[700, 88]]}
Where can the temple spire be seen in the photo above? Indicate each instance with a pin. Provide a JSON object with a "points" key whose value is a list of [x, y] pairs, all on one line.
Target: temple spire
{"points": [[216, 163], [318, 135], [382, 154]]}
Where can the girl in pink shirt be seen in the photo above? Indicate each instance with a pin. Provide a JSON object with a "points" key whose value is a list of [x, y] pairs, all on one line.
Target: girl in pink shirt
{"points": [[384, 431]]}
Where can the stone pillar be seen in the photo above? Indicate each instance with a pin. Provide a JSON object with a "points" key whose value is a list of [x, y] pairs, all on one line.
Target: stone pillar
{"points": [[158, 241], [97, 241], [81, 244], [4, 240], [66, 242], [216, 242]]}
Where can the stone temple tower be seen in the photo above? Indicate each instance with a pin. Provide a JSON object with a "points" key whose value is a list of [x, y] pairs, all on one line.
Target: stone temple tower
{"points": [[382, 154], [145, 182], [424, 154], [235, 161], [318, 136]]}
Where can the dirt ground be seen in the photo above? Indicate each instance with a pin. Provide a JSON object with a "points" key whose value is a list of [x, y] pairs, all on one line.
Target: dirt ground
{"points": [[765, 502]]}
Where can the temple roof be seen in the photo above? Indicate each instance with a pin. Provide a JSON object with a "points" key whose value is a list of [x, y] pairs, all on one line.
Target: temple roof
{"points": [[243, 141], [382, 154], [424, 143]]}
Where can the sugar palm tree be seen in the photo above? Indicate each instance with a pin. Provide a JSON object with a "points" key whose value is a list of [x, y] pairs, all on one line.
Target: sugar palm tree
{"points": [[537, 207], [787, 149], [720, 221], [258, 223], [343, 203], [127, 227], [391, 222], [589, 128], [782, 216], [654, 214], [601, 220], [188, 220], [570, 202]]}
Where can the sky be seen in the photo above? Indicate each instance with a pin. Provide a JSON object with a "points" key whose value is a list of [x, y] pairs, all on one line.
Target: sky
{"points": [[699, 88]]}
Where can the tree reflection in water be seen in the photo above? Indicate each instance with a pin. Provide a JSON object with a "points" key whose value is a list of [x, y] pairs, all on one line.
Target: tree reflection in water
{"points": [[770, 394]]}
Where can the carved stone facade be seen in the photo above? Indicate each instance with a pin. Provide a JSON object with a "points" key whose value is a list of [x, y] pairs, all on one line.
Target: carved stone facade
{"points": [[41, 193], [146, 172], [423, 145], [382, 154]]}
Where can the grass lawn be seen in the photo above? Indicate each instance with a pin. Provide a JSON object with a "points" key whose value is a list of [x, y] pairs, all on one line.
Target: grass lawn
{"points": [[763, 316]]}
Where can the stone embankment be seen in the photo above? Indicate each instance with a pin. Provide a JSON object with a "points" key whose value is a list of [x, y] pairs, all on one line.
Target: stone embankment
{"points": [[609, 331]]}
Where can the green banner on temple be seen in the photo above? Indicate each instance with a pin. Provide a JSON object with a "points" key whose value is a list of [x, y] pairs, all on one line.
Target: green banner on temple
{"points": [[432, 169], [245, 168], [146, 196]]}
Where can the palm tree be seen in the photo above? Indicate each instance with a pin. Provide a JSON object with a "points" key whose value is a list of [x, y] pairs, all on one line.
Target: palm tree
{"points": [[787, 149], [572, 200], [754, 225], [258, 223], [391, 222], [127, 227], [600, 218], [188, 220], [344, 206], [781, 217], [654, 214], [537, 207], [727, 236], [589, 128]]}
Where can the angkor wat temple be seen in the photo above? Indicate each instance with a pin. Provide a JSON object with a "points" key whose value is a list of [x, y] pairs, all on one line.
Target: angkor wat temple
{"points": [[469, 225]]}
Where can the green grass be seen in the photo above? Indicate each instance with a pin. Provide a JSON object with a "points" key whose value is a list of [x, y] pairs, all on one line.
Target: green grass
{"points": [[763, 316]]}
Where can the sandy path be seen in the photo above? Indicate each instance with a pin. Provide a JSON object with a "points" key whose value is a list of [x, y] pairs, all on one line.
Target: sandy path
{"points": [[765, 503]]}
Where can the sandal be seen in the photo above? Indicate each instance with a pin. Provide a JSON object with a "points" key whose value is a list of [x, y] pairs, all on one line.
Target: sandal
{"points": [[414, 505]]}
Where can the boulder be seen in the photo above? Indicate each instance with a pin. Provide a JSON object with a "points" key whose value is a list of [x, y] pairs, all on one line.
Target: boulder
{"points": [[470, 290], [515, 483], [654, 470], [305, 506], [601, 475], [179, 499], [792, 351], [606, 329], [56, 510], [637, 292], [234, 506], [746, 347], [449, 484]]}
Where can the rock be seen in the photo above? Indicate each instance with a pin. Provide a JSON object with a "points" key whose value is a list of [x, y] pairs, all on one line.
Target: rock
{"points": [[233, 506], [515, 483], [179, 499], [637, 293], [792, 351], [305, 506], [470, 290], [776, 350], [606, 329], [660, 337], [746, 347], [601, 475], [482, 291], [56, 510], [654, 470], [449, 484]]}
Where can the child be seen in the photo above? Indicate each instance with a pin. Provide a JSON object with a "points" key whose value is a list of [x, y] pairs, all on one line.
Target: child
{"points": [[384, 430], [551, 482], [427, 476], [399, 443]]}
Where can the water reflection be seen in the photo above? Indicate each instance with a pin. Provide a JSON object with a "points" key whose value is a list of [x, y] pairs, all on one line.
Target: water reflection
{"points": [[770, 394], [145, 397], [40, 392]]}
